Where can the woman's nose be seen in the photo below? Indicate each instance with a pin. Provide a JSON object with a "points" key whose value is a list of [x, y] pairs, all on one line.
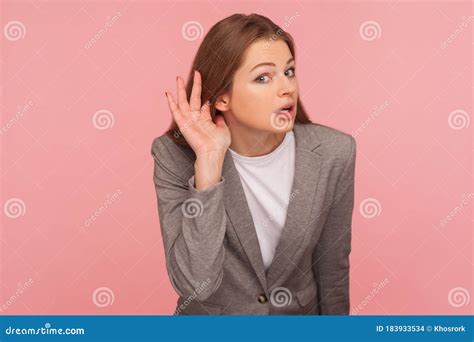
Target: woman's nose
{"points": [[287, 86]]}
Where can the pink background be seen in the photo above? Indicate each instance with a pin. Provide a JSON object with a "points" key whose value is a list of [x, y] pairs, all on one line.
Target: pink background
{"points": [[402, 87]]}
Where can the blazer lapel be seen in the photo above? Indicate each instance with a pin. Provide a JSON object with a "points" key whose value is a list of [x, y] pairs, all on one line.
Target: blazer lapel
{"points": [[239, 214], [306, 177], [307, 165]]}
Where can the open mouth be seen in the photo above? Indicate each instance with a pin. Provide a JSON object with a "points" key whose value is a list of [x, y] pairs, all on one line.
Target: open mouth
{"points": [[288, 110]]}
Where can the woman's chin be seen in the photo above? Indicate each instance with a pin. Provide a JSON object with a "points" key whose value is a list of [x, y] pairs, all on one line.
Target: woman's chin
{"points": [[281, 122]]}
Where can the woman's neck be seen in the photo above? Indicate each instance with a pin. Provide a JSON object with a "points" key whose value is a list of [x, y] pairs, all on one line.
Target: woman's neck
{"points": [[251, 142]]}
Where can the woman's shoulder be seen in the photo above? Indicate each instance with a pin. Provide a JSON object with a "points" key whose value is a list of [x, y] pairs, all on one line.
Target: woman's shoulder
{"points": [[328, 135], [171, 154], [332, 142], [166, 142]]}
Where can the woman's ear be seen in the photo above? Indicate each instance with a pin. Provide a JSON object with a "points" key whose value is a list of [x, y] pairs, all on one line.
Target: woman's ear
{"points": [[222, 103]]}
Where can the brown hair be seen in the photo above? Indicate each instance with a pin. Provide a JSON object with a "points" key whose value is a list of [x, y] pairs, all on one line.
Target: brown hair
{"points": [[220, 55]]}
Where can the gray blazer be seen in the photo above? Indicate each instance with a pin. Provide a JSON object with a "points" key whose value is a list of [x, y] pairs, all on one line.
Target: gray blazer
{"points": [[213, 258]]}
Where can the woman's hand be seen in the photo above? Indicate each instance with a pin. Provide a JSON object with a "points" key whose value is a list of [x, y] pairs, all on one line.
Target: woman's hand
{"points": [[195, 122]]}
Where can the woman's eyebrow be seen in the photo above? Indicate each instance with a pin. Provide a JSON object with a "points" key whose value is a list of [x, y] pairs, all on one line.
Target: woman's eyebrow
{"points": [[272, 64]]}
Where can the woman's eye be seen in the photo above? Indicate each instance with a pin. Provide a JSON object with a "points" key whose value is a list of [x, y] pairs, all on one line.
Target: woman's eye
{"points": [[265, 78], [261, 78], [292, 73]]}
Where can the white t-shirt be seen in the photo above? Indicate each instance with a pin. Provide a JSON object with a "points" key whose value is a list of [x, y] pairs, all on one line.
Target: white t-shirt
{"points": [[267, 181]]}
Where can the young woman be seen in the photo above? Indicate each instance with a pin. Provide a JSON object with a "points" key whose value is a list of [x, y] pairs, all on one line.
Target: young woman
{"points": [[255, 201]]}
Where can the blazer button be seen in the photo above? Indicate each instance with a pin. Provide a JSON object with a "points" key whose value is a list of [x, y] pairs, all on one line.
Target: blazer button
{"points": [[262, 298]]}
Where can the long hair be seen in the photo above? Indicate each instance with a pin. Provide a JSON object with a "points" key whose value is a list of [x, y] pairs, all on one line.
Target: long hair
{"points": [[220, 55]]}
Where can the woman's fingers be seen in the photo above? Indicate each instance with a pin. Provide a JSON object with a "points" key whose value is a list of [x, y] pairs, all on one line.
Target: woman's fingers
{"points": [[182, 101], [174, 108], [195, 100], [206, 110]]}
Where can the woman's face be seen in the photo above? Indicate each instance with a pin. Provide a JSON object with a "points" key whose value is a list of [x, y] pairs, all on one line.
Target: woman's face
{"points": [[262, 86]]}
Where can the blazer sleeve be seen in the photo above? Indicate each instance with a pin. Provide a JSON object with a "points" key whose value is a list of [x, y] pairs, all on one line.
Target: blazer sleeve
{"points": [[331, 254], [193, 225]]}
